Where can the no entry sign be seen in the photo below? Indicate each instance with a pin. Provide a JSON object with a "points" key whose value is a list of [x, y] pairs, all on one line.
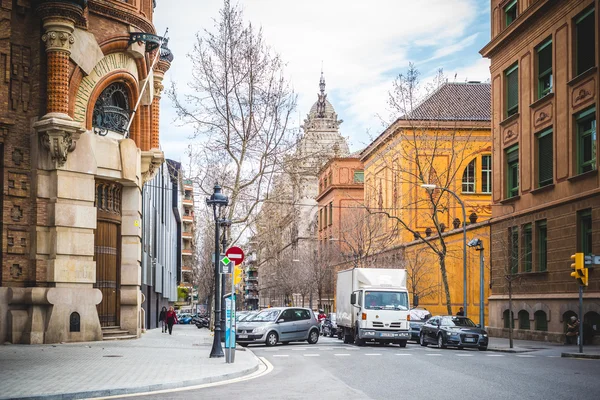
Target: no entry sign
{"points": [[235, 254]]}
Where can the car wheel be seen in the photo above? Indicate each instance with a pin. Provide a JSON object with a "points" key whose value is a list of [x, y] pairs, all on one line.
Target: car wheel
{"points": [[313, 337], [422, 340], [482, 348], [441, 344], [272, 339], [402, 343]]}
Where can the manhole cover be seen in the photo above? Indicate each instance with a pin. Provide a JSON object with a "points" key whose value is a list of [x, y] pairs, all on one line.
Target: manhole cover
{"points": [[113, 355]]}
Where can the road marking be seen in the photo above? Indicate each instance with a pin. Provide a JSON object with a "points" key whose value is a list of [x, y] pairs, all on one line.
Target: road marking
{"points": [[525, 356], [433, 354], [403, 354], [553, 356], [300, 349], [464, 355], [495, 355], [341, 355], [272, 349], [263, 369], [281, 355], [372, 354], [311, 355]]}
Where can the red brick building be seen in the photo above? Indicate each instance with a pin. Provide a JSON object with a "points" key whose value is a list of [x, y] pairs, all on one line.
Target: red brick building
{"points": [[72, 168], [546, 188]]}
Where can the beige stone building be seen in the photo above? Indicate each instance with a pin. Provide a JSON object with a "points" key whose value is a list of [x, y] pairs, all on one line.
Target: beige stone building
{"points": [[72, 167]]}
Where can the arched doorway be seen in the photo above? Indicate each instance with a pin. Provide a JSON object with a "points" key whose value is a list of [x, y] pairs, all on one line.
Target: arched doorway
{"points": [[107, 250]]}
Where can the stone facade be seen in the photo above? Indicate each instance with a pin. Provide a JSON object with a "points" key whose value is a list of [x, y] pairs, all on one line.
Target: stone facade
{"points": [[72, 173], [549, 207]]}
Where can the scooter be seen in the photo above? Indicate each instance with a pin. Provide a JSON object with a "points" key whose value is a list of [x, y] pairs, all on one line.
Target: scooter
{"points": [[203, 322]]}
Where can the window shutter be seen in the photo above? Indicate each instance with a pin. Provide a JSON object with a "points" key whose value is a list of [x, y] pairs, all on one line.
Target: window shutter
{"points": [[512, 155], [512, 89]]}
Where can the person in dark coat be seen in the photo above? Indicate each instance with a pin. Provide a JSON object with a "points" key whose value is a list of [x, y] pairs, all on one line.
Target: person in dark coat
{"points": [[461, 312], [171, 319], [162, 318]]}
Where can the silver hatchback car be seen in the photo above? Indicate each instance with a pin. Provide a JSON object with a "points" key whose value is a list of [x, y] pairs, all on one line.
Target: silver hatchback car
{"points": [[279, 324]]}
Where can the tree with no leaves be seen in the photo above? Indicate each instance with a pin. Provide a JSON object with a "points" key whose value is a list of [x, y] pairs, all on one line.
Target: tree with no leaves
{"points": [[239, 104]]}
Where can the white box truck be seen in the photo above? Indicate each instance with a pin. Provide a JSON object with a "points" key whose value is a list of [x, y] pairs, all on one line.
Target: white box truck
{"points": [[372, 305]]}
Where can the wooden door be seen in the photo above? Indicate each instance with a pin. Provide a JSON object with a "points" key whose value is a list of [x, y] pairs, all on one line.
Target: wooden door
{"points": [[106, 255]]}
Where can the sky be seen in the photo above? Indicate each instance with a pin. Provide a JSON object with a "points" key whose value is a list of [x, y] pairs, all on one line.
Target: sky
{"points": [[362, 46]]}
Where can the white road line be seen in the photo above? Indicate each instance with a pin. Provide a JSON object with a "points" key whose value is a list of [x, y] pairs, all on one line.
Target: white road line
{"points": [[436, 354], [372, 354], [525, 356], [341, 355], [464, 355], [272, 349], [300, 349], [403, 354], [553, 356], [495, 355], [311, 355], [281, 355]]}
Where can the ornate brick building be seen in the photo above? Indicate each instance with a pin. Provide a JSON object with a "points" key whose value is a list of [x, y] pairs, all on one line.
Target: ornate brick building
{"points": [[72, 167], [546, 187]]}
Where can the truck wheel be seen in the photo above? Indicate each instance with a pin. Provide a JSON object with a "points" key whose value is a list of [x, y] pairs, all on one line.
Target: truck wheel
{"points": [[402, 343], [357, 341]]}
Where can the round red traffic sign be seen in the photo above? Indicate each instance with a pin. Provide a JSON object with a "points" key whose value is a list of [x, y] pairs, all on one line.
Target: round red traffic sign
{"points": [[235, 254]]}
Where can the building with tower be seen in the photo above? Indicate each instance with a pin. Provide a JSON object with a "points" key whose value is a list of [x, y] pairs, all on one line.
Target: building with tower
{"points": [[74, 158]]}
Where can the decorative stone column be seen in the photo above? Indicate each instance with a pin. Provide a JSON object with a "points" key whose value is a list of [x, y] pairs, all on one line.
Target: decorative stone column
{"points": [[158, 88], [57, 131]]}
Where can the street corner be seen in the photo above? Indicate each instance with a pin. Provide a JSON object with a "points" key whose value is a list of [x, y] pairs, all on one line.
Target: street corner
{"points": [[509, 350], [587, 356]]}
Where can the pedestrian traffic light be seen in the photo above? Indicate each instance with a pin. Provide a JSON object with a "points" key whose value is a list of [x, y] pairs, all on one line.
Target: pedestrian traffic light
{"points": [[579, 271]]}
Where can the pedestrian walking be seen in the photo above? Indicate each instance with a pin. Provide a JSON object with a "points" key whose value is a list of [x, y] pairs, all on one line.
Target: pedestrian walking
{"points": [[572, 331], [162, 318], [171, 319], [461, 312]]}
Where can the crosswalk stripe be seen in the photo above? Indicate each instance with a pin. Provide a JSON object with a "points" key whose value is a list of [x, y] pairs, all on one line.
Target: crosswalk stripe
{"points": [[433, 354], [372, 354], [464, 355], [403, 354], [341, 355], [495, 355], [311, 355]]}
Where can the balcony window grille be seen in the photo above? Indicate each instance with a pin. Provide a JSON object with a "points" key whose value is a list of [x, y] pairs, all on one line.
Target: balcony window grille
{"points": [[111, 111]]}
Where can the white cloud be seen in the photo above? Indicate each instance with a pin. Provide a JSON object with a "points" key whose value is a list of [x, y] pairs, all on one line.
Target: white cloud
{"points": [[362, 45]]}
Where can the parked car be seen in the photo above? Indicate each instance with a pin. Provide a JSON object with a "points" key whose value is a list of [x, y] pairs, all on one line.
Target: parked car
{"points": [[279, 324], [185, 319], [418, 317], [330, 326], [247, 316], [448, 330]]}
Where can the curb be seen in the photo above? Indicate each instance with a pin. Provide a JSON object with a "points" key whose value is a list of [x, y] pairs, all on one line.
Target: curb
{"points": [[145, 388], [508, 350], [581, 355]]}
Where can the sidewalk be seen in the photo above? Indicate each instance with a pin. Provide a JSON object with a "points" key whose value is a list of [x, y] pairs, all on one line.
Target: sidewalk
{"points": [[524, 346], [156, 361]]}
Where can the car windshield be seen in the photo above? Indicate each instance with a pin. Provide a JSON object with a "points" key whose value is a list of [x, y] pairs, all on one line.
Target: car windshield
{"points": [[375, 300], [266, 316], [455, 321], [248, 317]]}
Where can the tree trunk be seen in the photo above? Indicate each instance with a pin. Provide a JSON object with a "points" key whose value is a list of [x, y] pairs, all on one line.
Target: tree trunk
{"points": [[442, 258], [510, 314]]}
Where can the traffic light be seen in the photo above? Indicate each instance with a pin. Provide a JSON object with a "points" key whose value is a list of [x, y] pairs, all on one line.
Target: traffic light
{"points": [[580, 272], [237, 275]]}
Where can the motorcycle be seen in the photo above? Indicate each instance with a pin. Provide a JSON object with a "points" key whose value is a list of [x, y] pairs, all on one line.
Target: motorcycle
{"points": [[202, 322]]}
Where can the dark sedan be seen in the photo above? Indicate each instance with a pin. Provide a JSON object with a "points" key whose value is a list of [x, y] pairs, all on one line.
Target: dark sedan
{"points": [[454, 331]]}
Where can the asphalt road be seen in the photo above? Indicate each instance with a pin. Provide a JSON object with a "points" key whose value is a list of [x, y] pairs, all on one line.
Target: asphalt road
{"points": [[333, 370]]}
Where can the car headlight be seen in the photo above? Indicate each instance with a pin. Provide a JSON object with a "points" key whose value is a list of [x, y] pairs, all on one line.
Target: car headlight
{"points": [[260, 329], [484, 335]]}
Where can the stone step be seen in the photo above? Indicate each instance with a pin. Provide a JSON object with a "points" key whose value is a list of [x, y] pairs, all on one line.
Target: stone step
{"points": [[114, 332], [108, 328], [122, 337]]}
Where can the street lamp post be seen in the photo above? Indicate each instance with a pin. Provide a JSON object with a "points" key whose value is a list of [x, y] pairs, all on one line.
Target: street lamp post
{"points": [[430, 188], [478, 244], [217, 200]]}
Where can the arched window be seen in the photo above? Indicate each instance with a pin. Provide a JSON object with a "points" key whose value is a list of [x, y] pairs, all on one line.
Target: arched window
{"points": [[524, 319], [541, 321], [566, 317], [468, 179], [508, 318], [111, 111]]}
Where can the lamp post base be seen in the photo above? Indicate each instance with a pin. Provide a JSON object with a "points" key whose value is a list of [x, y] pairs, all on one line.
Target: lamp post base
{"points": [[217, 349]]}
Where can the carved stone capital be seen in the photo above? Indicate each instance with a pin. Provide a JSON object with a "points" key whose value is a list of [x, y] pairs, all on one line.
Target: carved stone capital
{"points": [[158, 86], [151, 161], [59, 34], [58, 135]]}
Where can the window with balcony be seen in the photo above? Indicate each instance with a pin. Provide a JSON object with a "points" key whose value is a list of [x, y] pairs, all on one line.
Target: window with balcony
{"points": [[359, 176], [586, 140], [545, 158], [510, 12], [468, 179], [511, 78], [544, 68], [527, 247], [486, 174], [585, 38], [542, 245], [512, 171]]}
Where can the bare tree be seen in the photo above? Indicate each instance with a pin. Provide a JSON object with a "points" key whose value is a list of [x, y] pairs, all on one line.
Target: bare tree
{"points": [[239, 104], [421, 274], [426, 147]]}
